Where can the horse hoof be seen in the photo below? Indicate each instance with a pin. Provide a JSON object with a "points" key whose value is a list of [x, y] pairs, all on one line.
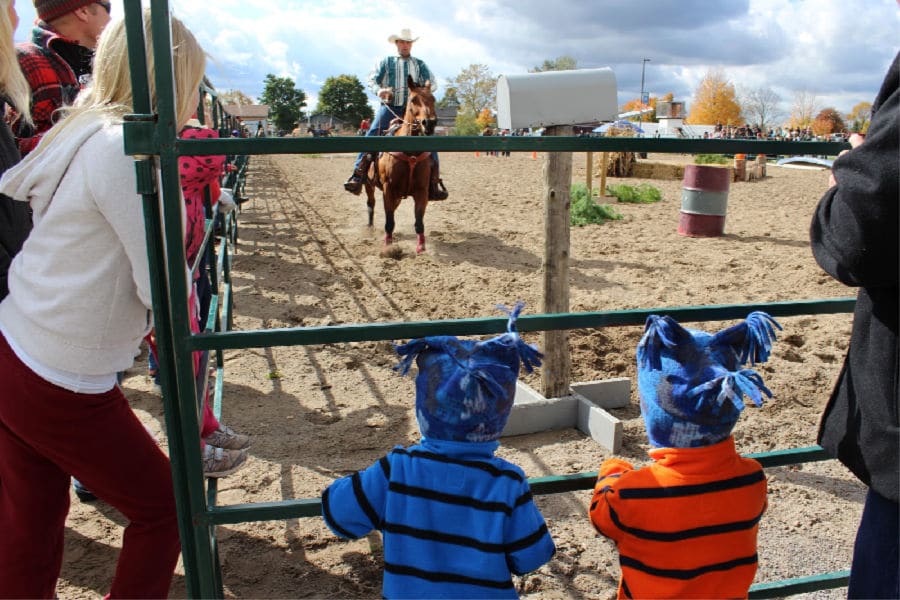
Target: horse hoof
{"points": [[391, 251], [420, 248]]}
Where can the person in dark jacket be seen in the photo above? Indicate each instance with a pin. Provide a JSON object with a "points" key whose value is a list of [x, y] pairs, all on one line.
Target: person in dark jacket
{"points": [[854, 237], [15, 216], [57, 61]]}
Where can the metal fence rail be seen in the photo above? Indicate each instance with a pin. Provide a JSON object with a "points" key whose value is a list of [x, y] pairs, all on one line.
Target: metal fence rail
{"points": [[152, 139]]}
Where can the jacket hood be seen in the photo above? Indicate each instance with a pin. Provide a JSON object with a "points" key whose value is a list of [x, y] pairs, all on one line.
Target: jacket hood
{"points": [[35, 179]]}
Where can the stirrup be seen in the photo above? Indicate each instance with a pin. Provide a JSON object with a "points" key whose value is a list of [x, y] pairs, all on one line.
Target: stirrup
{"points": [[437, 191]]}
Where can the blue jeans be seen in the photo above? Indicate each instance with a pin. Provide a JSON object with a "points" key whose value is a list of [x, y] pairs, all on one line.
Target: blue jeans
{"points": [[380, 124], [876, 562]]}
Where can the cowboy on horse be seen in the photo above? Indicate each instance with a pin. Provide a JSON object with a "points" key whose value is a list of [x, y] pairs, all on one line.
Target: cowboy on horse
{"points": [[389, 82]]}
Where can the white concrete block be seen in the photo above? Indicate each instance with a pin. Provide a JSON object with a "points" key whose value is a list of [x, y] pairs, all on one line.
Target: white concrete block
{"points": [[532, 412], [603, 428], [605, 393]]}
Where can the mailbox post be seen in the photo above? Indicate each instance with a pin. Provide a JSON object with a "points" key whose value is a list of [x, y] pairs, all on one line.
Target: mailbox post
{"points": [[556, 100]]}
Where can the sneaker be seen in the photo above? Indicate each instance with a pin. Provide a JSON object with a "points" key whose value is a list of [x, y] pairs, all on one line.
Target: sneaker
{"points": [[437, 191], [227, 438], [84, 494], [354, 184], [219, 462]]}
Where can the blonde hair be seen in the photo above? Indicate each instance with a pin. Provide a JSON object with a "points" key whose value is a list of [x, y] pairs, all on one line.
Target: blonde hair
{"points": [[110, 95], [13, 84]]}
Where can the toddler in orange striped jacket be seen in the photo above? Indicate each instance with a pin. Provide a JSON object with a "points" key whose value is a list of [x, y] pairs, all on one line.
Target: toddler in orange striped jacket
{"points": [[686, 525]]}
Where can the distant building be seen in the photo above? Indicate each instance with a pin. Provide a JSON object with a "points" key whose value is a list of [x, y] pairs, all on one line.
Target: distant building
{"points": [[249, 115]]}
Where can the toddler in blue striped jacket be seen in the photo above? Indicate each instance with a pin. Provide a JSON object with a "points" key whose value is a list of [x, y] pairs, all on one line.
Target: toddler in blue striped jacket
{"points": [[456, 520]]}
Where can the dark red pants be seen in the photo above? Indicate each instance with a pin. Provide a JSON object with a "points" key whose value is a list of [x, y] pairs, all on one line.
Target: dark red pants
{"points": [[47, 434]]}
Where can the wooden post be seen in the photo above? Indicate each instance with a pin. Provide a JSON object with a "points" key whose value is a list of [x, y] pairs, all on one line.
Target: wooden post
{"points": [[556, 371], [588, 175], [604, 159]]}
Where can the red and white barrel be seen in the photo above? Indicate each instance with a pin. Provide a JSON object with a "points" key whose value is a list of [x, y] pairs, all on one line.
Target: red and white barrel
{"points": [[704, 200]]}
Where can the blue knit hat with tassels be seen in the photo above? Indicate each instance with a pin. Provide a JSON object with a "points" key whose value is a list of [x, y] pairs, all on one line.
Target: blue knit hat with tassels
{"points": [[691, 382], [465, 388]]}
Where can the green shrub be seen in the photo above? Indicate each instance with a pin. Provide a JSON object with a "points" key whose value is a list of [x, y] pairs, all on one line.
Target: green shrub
{"points": [[586, 211], [711, 159], [642, 194]]}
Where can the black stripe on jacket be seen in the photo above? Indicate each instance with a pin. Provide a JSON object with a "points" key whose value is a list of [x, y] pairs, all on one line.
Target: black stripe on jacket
{"points": [[685, 574], [473, 464], [684, 534], [442, 577], [675, 491], [466, 541]]}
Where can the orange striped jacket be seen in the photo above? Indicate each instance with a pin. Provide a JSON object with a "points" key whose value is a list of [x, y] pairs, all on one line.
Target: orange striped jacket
{"points": [[686, 525]]}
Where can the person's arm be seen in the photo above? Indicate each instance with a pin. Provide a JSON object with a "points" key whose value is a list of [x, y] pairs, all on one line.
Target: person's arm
{"points": [[15, 225], [378, 79], [528, 535], [604, 497], [854, 228], [426, 76], [352, 506]]}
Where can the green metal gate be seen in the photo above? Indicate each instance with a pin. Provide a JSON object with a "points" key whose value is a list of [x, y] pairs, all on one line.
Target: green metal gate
{"points": [[151, 139]]}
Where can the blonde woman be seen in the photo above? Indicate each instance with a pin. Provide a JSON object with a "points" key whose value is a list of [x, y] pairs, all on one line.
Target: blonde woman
{"points": [[78, 307], [15, 220]]}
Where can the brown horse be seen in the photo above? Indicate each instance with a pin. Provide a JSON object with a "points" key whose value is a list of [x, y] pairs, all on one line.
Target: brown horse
{"points": [[402, 174]]}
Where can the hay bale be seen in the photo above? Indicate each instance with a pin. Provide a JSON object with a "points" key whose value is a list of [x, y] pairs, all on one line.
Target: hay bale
{"points": [[650, 170]]}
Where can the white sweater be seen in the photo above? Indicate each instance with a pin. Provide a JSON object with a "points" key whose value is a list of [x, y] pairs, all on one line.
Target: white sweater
{"points": [[79, 296]]}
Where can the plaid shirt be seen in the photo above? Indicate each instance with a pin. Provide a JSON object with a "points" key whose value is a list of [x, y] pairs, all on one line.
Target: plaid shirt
{"points": [[391, 73], [53, 84]]}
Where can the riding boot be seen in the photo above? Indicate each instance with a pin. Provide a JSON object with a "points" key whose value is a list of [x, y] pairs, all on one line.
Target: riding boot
{"points": [[355, 182], [436, 190]]}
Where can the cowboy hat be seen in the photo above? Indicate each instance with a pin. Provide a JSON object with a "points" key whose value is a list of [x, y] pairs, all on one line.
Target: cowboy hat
{"points": [[405, 36]]}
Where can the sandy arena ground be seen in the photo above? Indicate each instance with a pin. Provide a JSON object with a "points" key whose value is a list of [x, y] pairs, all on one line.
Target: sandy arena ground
{"points": [[306, 257]]}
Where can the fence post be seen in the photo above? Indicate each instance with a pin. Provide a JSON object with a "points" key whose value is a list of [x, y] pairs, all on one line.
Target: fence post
{"points": [[555, 373]]}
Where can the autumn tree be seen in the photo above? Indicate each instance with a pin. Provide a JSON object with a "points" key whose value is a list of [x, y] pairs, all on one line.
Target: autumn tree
{"points": [[345, 98], [235, 97], [560, 63], [860, 117], [715, 101], [485, 119], [828, 121], [476, 89], [803, 110], [761, 106], [285, 101]]}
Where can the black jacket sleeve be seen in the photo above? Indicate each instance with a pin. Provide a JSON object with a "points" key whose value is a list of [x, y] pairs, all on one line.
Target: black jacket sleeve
{"points": [[15, 225]]}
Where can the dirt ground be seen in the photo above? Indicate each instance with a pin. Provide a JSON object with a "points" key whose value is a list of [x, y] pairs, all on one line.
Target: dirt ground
{"points": [[306, 257]]}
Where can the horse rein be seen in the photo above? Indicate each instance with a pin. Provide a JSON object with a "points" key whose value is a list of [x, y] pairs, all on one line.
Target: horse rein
{"points": [[414, 125]]}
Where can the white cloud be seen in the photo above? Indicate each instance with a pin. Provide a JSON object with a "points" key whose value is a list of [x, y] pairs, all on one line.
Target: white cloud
{"points": [[835, 49]]}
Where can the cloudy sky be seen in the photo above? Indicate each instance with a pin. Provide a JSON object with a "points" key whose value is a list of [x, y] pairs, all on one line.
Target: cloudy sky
{"points": [[836, 50]]}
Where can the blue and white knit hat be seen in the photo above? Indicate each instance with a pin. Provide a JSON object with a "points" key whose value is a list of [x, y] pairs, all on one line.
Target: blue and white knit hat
{"points": [[691, 383], [465, 388]]}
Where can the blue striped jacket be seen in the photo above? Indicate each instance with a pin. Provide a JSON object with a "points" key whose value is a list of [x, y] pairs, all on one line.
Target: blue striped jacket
{"points": [[456, 520]]}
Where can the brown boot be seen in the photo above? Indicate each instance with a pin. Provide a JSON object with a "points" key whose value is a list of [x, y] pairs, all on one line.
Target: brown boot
{"points": [[437, 191], [355, 182]]}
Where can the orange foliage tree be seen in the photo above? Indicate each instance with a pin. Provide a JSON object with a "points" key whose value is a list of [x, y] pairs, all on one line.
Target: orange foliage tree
{"points": [[860, 117], [715, 101], [828, 121], [485, 118]]}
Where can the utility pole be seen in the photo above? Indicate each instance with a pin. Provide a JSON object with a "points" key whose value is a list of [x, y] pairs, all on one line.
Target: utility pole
{"points": [[644, 62]]}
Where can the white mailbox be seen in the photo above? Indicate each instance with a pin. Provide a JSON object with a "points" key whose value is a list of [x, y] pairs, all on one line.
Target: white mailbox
{"points": [[556, 98]]}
